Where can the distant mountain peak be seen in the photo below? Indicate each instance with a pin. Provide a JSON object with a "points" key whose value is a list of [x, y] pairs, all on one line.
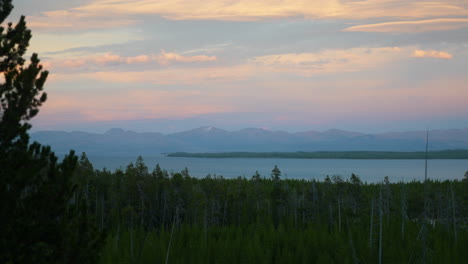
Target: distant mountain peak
{"points": [[255, 129], [335, 130], [340, 132], [252, 129], [117, 131], [201, 131], [208, 128]]}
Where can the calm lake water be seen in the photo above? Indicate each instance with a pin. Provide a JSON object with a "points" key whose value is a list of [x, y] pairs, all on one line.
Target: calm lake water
{"points": [[368, 170]]}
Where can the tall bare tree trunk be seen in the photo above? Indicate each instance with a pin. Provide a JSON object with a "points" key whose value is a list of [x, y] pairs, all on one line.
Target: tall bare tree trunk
{"points": [[142, 208], [303, 209], [131, 234], [117, 238], [371, 223], [295, 211], [205, 223], [102, 212], [268, 205], [380, 231], [87, 196], [314, 199], [424, 230], [403, 210], [172, 233], [96, 209], [339, 215], [164, 210], [225, 211], [258, 209], [454, 221], [353, 249]]}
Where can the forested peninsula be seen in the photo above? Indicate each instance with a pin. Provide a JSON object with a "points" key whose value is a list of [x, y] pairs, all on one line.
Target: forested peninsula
{"points": [[444, 154]]}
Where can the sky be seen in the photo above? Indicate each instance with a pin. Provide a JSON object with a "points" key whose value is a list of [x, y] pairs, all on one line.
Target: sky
{"points": [[171, 65]]}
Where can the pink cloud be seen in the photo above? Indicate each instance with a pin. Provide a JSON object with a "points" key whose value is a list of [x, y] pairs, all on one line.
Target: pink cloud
{"points": [[46, 65], [72, 63], [325, 62], [172, 75], [168, 57], [303, 64], [106, 59], [138, 59], [431, 54], [329, 61]]}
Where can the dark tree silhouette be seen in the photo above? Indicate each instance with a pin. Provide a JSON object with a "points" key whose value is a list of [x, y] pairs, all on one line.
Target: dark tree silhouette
{"points": [[275, 174], [44, 219]]}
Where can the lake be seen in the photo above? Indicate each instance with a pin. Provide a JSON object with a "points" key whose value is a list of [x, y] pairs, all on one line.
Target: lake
{"points": [[368, 170]]}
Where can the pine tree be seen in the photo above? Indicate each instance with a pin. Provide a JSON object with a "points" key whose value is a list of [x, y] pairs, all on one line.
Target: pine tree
{"points": [[275, 174], [40, 222]]}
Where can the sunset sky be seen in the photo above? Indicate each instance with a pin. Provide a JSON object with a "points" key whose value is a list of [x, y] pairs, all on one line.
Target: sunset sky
{"points": [[171, 65]]}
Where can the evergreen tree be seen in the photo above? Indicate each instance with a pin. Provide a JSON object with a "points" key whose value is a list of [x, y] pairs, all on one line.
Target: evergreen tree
{"points": [[42, 221], [275, 174], [256, 176]]}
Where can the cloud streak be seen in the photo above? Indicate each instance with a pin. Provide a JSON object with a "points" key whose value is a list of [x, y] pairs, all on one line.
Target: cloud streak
{"points": [[168, 57], [412, 26], [276, 67], [330, 61]]}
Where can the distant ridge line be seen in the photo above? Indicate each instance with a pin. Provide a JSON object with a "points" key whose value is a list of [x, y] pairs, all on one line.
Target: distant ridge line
{"points": [[443, 154], [119, 142]]}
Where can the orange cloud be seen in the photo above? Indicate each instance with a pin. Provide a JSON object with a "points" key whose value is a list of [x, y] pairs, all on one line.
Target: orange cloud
{"points": [[267, 9], [431, 54], [111, 13], [71, 19], [413, 26], [109, 59]]}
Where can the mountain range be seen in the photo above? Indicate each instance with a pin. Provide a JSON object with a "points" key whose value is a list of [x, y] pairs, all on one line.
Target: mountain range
{"points": [[119, 142]]}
